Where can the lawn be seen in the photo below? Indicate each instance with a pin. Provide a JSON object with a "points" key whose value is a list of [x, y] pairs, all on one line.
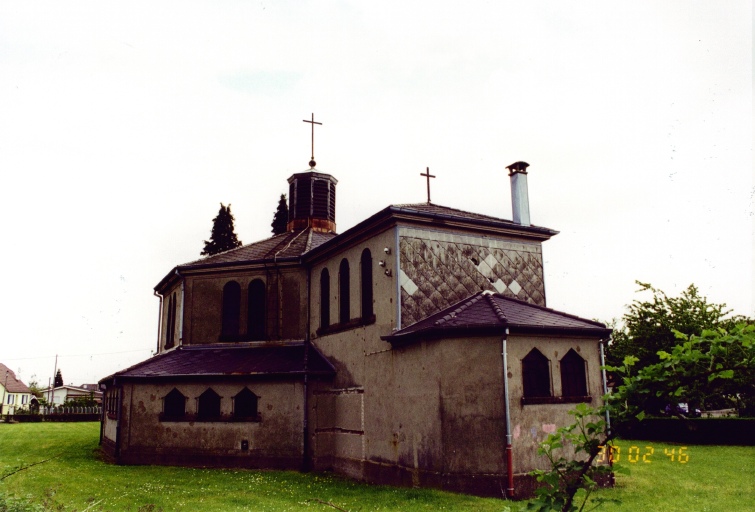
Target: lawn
{"points": [[75, 478]]}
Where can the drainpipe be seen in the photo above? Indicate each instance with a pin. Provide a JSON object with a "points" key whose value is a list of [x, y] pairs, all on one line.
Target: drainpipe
{"points": [[181, 312], [508, 451], [605, 384], [118, 420], [397, 267], [103, 388], [159, 321], [305, 423]]}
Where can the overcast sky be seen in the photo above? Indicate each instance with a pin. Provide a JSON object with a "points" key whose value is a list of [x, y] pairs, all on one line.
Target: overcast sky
{"points": [[124, 126]]}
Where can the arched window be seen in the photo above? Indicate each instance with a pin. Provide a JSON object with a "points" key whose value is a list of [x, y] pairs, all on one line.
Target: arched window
{"points": [[245, 404], [231, 309], [366, 275], [174, 404], [324, 298], [208, 404], [344, 304], [573, 375], [256, 311], [536, 374]]}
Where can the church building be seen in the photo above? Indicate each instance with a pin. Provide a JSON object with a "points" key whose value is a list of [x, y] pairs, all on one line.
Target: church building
{"points": [[414, 348]]}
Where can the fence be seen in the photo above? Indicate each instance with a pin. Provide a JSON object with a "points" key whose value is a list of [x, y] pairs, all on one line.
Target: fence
{"points": [[61, 413]]}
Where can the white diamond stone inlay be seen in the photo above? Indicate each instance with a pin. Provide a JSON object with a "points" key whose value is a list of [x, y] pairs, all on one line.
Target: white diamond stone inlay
{"points": [[500, 286], [515, 288], [407, 284]]}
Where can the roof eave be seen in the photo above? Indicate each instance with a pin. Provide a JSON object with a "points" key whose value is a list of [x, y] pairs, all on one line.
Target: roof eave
{"points": [[433, 333]]}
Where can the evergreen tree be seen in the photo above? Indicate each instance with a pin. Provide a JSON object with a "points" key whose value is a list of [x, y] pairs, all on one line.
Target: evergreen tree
{"points": [[223, 236], [58, 379], [280, 220]]}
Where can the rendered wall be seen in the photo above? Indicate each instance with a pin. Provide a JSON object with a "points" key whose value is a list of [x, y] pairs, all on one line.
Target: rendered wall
{"points": [[276, 441], [286, 308], [531, 424]]}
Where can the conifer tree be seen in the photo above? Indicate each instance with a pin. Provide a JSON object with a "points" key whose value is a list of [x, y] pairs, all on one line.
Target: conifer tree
{"points": [[223, 236], [58, 379], [280, 220]]}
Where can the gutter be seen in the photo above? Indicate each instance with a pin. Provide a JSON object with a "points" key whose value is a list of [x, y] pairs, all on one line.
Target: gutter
{"points": [[506, 402]]}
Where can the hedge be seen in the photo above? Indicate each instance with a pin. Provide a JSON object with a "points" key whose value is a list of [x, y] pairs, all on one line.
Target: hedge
{"points": [[722, 431]]}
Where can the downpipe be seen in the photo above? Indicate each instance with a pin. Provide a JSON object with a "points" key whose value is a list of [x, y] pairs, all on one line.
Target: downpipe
{"points": [[507, 450]]}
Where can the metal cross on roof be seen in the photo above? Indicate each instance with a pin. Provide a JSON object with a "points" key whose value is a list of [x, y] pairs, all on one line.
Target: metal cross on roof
{"points": [[428, 176], [312, 162]]}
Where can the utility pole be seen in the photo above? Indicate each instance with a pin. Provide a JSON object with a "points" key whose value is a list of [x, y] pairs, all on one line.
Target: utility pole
{"points": [[51, 393]]}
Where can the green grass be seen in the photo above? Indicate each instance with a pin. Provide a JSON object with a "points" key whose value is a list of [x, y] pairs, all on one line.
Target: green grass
{"points": [[714, 478], [77, 478]]}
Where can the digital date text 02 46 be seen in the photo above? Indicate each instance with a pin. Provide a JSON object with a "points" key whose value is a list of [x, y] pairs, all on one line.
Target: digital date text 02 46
{"points": [[635, 454]]}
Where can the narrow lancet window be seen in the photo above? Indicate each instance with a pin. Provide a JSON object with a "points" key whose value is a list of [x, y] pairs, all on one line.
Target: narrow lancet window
{"points": [[256, 314], [573, 375], [344, 290], [366, 275], [536, 374], [231, 310], [324, 298]]}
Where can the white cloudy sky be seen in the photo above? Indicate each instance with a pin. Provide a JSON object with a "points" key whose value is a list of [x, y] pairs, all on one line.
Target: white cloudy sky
{"points": [[124, 125]]}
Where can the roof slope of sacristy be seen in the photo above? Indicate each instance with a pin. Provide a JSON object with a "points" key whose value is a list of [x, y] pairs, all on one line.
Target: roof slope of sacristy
{"points": [[244, 359], [487, 313]]}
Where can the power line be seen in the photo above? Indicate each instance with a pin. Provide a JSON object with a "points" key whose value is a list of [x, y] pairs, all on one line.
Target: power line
{"points": [[77, 355]]}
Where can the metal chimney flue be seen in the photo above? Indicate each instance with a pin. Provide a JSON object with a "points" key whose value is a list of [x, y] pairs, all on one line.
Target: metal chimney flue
{"points": [[520, 202]]}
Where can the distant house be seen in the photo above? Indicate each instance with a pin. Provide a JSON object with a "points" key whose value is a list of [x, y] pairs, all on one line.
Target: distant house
{"points": [[15, 394], [62, 394]]}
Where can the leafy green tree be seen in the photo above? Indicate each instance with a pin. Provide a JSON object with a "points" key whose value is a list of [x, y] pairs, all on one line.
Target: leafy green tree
{"points": [[58, 379], [223, 236], [280, 219], [650, 325], [34, 387]]}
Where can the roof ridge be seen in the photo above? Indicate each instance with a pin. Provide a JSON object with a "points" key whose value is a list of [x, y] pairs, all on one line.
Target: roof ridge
{"points": [[275, 256], [472, 300], [496, 308]]}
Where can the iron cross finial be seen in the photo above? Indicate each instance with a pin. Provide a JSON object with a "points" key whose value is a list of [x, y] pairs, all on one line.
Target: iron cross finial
{"points": [[312, 162], [428, 176]]}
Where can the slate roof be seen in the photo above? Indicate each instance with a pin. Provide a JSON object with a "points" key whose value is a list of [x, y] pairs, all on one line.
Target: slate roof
{"points": [[438, 211], [291, 244], [11, 383], [229, 360], [487, 313]]}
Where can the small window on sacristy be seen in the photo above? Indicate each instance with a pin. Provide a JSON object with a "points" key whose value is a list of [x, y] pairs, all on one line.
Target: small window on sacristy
{"points": [[245, 404], [536, 374], [208, 404], [573, 375], [174, 404]]}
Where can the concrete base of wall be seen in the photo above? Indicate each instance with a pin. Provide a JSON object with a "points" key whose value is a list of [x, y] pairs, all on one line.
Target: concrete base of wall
{"points": [[199, 459]]}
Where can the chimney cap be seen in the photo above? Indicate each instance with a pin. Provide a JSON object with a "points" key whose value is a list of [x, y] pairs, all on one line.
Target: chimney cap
{"points": [[518, 167]]}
